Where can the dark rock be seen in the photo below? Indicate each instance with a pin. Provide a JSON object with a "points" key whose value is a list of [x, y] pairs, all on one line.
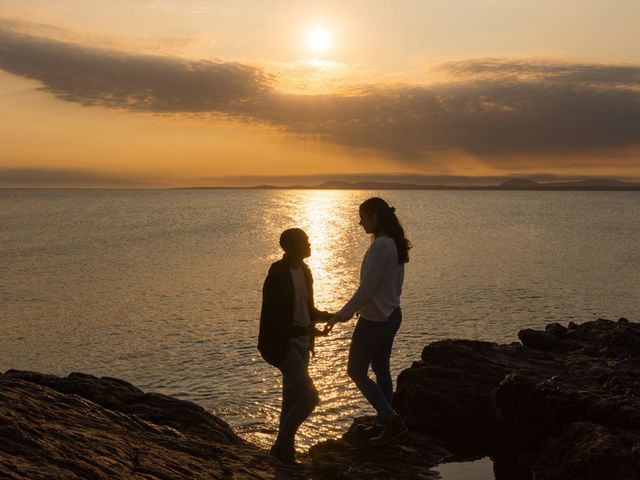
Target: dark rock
{"points": [[450, 392], [120, 396], [541, 340], [352, 457], [556, 329], [511, 399], [59, 428], [587, 451]]}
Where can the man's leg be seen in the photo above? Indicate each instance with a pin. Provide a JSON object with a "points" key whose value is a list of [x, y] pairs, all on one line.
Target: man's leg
{"points": [[288, 399], [296, 375]]}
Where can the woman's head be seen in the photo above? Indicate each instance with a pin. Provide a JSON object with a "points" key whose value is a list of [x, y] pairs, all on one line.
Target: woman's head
{"points": [[377, 217]]}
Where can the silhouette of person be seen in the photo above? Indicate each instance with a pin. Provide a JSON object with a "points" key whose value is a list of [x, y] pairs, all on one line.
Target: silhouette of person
{"points": [[287, 335], [377, 301]]}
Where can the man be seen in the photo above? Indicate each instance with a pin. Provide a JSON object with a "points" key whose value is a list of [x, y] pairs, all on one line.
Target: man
{"points": [[287, 335]]}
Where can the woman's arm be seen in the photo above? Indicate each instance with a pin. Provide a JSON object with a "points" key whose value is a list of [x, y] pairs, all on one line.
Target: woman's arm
{"points": [[372, 272]]}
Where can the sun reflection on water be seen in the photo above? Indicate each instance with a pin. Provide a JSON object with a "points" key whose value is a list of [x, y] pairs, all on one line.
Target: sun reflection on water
{"points": [[329, 217]]}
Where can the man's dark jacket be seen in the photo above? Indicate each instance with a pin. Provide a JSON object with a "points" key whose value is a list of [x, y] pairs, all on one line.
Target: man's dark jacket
{"points": [[276, 316]]}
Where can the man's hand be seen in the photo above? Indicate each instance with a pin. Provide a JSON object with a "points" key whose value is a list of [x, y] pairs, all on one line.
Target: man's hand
{"points": [[332, 321], [321, 333], [324, 316]]}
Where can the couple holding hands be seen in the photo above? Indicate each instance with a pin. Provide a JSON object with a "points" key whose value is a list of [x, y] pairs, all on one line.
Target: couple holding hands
{"points": [[288, 331]]}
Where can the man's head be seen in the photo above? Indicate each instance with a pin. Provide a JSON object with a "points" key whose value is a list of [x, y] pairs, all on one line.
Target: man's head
{"points": [[295, 243]]}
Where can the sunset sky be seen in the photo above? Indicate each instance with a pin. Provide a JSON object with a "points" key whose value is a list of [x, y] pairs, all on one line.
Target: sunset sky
{"points": [[164, 93]]}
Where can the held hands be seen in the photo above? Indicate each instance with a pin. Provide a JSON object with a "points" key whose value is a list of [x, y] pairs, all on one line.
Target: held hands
{"points": [[331, 322]]}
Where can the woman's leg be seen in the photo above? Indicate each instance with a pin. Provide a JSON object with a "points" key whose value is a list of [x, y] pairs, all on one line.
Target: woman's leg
{"points": [[367, 338], [380, 363]]}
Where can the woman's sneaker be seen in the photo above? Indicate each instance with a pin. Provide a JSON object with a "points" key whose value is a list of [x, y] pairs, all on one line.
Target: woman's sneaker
{"points": [[393, 429]]}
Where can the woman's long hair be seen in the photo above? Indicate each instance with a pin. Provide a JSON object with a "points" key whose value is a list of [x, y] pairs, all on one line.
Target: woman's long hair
{"points": [[389, 224]]}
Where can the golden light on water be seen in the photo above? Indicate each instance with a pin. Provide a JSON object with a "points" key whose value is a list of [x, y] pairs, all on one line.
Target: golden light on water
{"points": [[330, 219], [325, 216]]}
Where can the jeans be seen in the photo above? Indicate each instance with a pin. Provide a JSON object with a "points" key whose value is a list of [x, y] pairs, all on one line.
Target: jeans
{"points": [[371, 344], [299, 395]]}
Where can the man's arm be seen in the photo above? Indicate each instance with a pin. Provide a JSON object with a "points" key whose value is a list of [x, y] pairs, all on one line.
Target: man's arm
{"points": [[272, 314], [321, 315], [273, 297]]}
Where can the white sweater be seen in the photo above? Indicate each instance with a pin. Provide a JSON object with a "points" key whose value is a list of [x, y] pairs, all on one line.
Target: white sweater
{"points": [[381, 277], [301, 316]]}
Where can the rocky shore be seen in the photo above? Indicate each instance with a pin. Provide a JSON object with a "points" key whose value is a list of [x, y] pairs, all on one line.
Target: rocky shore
{"points": [[563, 403]]}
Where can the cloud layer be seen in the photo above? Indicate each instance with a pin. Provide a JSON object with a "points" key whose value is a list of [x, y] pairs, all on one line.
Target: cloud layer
{"points": [[486, 108], [109, 78], [58, 177]]}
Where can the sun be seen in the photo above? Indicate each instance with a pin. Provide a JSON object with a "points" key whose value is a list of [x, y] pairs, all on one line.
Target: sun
{"points": [[319, 39]]}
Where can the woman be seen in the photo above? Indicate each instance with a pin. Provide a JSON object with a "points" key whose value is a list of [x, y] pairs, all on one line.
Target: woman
{"points": [[377, 301]]}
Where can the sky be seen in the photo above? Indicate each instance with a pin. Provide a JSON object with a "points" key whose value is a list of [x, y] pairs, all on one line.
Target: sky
{"points": [[171, 93]]}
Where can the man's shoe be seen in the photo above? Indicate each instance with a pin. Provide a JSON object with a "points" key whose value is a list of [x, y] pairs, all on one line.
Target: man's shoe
{"points": [[285, 456], [393, 429], [369, 431]]}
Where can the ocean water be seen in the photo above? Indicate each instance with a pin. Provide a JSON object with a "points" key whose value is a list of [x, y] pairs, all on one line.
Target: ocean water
{"points": [[162, 288]]}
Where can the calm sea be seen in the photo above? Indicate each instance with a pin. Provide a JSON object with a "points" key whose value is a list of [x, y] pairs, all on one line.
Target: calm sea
{"points": [[162, 287]]}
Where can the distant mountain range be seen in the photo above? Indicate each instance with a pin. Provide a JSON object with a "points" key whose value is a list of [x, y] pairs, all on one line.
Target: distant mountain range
{"points": [[511, 184], [594, 184]]}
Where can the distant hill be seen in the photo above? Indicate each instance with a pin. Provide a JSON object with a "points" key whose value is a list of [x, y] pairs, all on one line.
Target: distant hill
{"points": [[510, 184], [336, 185], [342, 185], [594, 183], [519, 183]]}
